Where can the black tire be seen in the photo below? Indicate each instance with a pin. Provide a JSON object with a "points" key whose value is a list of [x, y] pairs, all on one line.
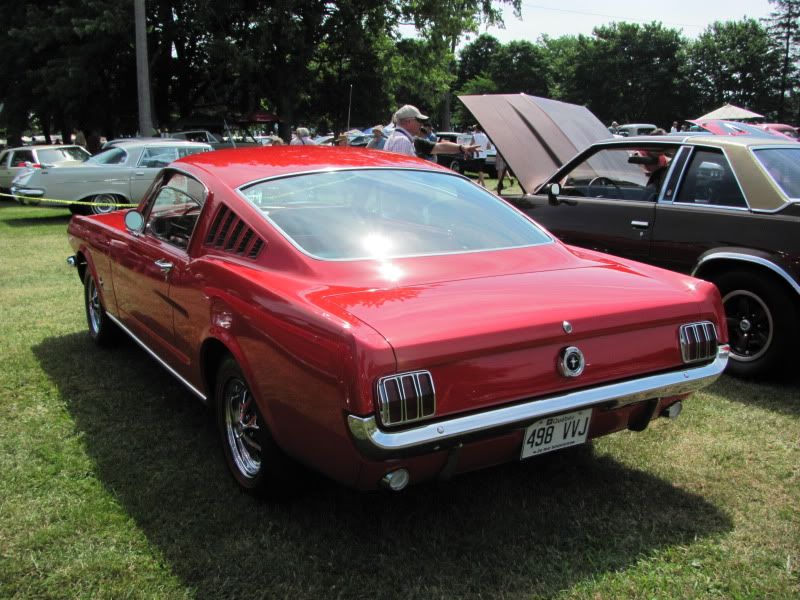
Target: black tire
{"points": [[455, 165], [762, 322], [102, 330], [254, 459]]}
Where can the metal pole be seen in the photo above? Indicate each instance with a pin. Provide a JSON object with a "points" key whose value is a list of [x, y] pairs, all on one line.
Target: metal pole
{"points": [[142, 69], [349, 104]]}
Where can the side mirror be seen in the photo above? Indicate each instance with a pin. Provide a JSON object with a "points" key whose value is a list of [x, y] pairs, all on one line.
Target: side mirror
{"points": [[553, 191], [134, 220]]}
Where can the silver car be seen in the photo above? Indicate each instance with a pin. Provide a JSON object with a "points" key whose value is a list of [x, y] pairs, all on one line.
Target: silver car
{"points": [[14, 161], [115, 177]]}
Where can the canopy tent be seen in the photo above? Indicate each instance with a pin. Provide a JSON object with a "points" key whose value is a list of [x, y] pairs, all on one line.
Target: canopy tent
{"points": [[731, 112], [535, 135]]}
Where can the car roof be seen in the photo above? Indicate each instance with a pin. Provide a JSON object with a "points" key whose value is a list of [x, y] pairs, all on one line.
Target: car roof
{"points": [[46, 147], [236, 167], [157, 142], [722, 141]]}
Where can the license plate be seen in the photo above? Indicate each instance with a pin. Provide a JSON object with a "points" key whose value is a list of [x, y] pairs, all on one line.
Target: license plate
{"points": [[556, 432]]}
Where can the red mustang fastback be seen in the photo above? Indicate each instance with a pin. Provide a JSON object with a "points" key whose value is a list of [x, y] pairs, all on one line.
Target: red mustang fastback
{"points": [[384, 320]]}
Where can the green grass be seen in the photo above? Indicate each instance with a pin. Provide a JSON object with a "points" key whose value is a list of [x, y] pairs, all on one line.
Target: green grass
{"points": [[112, 485]]}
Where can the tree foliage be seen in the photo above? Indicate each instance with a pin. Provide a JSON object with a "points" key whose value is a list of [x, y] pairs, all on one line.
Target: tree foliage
{"points": [[736, 63], [71, 63]]}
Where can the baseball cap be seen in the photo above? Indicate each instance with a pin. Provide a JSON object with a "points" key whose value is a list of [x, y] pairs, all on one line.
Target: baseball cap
{"points": [[408, 112]]}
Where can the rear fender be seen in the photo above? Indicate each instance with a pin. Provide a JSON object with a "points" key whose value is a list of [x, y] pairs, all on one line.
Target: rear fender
{"points": [[720, 259]]}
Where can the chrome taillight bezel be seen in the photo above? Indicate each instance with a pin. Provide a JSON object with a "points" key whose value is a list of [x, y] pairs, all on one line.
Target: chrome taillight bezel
{"points": [[406, 398], [698, 341]]}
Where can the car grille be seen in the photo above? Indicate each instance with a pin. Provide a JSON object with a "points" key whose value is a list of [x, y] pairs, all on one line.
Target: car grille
{"points": [[698, 341], [229, 233], [406, 398]]}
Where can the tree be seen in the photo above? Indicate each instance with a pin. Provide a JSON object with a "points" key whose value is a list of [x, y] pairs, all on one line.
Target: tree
{"points": [[735, 62], [442, 23], [629, 72], [783, 26]]}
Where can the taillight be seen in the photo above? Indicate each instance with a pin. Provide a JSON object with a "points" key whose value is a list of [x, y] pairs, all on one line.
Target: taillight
{"points": [[406, 398], [698, 341]]}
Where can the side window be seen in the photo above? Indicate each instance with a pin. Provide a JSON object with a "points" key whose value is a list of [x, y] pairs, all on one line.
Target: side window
{"points": [[4, 158], [175, 210], [709, 181], [21, 157], [625, 173], [156, 157]]}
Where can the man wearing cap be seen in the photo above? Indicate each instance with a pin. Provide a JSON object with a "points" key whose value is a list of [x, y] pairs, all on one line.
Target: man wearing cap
{"points": [[405, 137]]}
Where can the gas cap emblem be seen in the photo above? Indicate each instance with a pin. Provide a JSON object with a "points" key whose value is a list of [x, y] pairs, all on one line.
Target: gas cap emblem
{"points": [[567, 326], [571, 362]]}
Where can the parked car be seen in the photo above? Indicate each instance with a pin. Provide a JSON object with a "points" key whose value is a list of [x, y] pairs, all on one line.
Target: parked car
{"points": [[120, 174], [723, 208], [15, 160], [723, 127], [630, 129], [459, 162], [217, 141], [781, 128], [384, 320]]}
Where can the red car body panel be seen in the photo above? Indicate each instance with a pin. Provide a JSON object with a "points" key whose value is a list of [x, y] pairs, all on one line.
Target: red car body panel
{"points": [[313, 336]]}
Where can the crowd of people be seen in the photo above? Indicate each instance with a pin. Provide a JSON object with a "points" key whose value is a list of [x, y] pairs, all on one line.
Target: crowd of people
{"points": [[412, 135]]}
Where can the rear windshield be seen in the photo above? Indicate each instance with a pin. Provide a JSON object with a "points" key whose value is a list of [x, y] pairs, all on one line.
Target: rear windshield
{"points": [[783, 165], [53, 155], [384, 213]]}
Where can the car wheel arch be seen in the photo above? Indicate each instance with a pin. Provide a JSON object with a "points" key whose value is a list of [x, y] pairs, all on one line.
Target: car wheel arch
{"points": [[213, 351], [714, 264], [761, 336]]}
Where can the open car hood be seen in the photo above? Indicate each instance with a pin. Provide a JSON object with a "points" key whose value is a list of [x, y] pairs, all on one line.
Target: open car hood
{"points": [[535, 135]]}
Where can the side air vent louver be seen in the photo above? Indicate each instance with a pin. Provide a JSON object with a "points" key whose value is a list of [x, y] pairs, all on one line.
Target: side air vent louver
{"points": [[698, 341], [229, 233]]}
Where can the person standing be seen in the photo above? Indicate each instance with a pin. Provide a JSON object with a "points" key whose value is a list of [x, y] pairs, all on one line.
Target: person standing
{"points": [[80, 138], [302, 137], [481, 140], [377, 141], [405, 139]]}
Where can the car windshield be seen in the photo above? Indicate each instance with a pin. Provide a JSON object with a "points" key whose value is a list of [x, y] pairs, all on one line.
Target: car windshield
{"points": [[783, 165], [49, 156], [112, 156], [384, 213]]}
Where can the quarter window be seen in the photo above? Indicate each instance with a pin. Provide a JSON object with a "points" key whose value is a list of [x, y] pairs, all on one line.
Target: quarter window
{"points": [[175, 210], [710, 181], [21, 157], [783, 166]]}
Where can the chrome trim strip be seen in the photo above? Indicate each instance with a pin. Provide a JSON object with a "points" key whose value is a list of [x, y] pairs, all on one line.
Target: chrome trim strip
{"points": [[378, 444], [144, 346], [748, 258]]}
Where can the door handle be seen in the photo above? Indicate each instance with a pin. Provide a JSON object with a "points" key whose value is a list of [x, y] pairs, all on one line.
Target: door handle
{"points": [[640, 224], [139, 173], [164, 265]]}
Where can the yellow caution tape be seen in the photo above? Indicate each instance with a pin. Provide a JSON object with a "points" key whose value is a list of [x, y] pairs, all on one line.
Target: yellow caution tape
{"points": [[76, 202]]}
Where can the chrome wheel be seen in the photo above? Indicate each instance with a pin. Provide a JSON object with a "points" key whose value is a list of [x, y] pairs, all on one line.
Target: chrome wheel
{"points": [[242, 428], [101, 204], [94, 309], [750, 325]]}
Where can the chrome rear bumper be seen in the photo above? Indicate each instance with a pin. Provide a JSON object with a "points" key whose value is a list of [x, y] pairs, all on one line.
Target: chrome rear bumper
{"points": [[380, 444]]}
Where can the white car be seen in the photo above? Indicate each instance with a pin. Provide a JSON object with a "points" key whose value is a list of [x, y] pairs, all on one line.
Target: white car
{"points": [[14, 161], [116, 176]]}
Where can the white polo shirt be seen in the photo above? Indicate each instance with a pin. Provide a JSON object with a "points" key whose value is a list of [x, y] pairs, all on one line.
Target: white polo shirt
{"points": [[400, 141]]}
